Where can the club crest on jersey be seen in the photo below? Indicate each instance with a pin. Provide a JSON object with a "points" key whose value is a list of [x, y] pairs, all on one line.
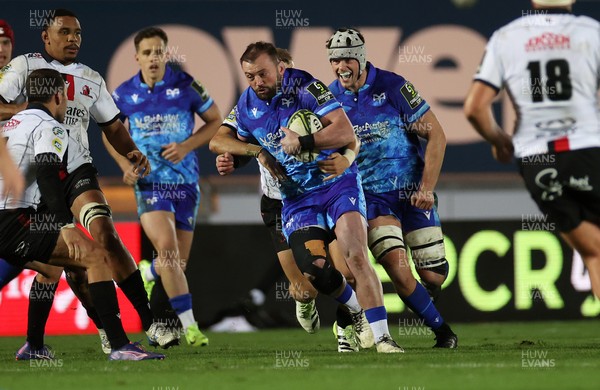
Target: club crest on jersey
{"points": [[86, 91], [378, 99], [172, 93], [287, 102]]}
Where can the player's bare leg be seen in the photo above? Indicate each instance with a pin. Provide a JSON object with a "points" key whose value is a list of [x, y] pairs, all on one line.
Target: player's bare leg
{"points": [[98, 221], [585, 238], [351, 233], [83, 252], [385, 238], [169, 265]]}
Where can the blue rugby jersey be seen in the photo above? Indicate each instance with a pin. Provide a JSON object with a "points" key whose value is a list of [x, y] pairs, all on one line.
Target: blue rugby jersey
{"points": [[262, 120], [390, 158], [163, 115]]}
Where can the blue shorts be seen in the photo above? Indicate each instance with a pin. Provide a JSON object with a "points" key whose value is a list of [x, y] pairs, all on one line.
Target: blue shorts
{"points": [[180, 199], [397, 203], [324, 206]]}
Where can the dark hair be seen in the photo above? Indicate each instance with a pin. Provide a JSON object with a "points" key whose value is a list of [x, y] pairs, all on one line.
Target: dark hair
{"points": [[285, 56], [149, 32], [42, 84], [56, 14], [254, 50]]}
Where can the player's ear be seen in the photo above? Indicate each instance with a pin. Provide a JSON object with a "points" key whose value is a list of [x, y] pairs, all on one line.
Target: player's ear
{"points": [[45, 37], [281, 67]]}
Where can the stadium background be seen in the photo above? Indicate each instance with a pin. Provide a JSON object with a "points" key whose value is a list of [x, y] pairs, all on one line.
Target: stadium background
{"points": [[507, 262]]}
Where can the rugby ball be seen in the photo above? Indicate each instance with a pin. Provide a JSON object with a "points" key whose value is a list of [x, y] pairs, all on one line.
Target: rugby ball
{"points": [[305, 122]]}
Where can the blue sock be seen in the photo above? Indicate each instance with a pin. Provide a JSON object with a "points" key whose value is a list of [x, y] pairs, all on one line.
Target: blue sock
{"points": [[348, 298], [376, 314], [420, 303], [8, 272], [153, 270], [181, 303], [345, 296]]}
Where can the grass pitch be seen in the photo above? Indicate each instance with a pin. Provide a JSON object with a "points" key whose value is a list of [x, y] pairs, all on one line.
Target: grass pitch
{"points": [[535, 355]]}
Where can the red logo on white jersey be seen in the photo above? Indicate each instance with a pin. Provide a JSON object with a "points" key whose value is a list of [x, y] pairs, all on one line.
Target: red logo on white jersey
{"points": [[548, 41], [10, 125], [85, 91]]}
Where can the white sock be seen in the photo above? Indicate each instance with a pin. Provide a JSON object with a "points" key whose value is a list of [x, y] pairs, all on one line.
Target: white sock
{"points": [[187, 318], [258, 297], [148, 275], [352, 304], [379, 328]]}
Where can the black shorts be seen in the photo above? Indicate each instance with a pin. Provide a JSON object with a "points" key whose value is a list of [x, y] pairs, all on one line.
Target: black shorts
{"points": [[565, 186], [270, 209], [82, 179], [27, 235]]}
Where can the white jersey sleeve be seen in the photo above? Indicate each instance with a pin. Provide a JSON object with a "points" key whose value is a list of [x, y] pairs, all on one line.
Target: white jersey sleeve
{"points": [[104, 109], [50, 137], [12, 79], [489, 70]]}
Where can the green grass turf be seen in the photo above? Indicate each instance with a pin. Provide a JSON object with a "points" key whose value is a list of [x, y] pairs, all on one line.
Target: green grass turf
{"points": [[490, 356]]}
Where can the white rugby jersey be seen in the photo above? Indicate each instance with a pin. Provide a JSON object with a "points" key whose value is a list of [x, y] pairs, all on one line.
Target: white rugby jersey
{"points": [[86, 92], [550, 65], [31, 132], [268, 184]]}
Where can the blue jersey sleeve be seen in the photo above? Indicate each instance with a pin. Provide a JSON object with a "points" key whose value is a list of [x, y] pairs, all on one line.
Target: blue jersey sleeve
{"points": [[201, 100], [408, 101], [318, 98]]}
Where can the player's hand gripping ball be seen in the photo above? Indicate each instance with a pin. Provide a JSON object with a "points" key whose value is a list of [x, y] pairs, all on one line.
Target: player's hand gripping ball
{"points": [[304, 122]]}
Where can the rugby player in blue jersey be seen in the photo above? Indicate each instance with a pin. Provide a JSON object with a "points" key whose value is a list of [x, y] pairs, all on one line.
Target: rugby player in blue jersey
{"points": [[160, 105], [312, 207], [389, 116]]}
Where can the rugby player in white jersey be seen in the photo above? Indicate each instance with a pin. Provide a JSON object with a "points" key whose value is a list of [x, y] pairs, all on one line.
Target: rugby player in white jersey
{"points": [[87, 99], [549, 62]]}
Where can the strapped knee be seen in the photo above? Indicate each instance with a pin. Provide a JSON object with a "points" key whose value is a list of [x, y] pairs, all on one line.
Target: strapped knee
{"points": [[310, 254], [427, 249], [384, 239], [91, 211]]}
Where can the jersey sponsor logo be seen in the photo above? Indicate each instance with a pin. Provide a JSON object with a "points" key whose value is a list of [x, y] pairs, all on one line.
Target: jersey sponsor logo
{"points": [[157, 124], [73, 115], [411, 95], [57, 144], [6, 67], [548, 41], [34, 55], [59, 132], [367, 132], [172, 93], [86, 91], [378, 100], [272, 140], [320, 92], [582, 184], [199, 88], [556, 125], [10, 125]]}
